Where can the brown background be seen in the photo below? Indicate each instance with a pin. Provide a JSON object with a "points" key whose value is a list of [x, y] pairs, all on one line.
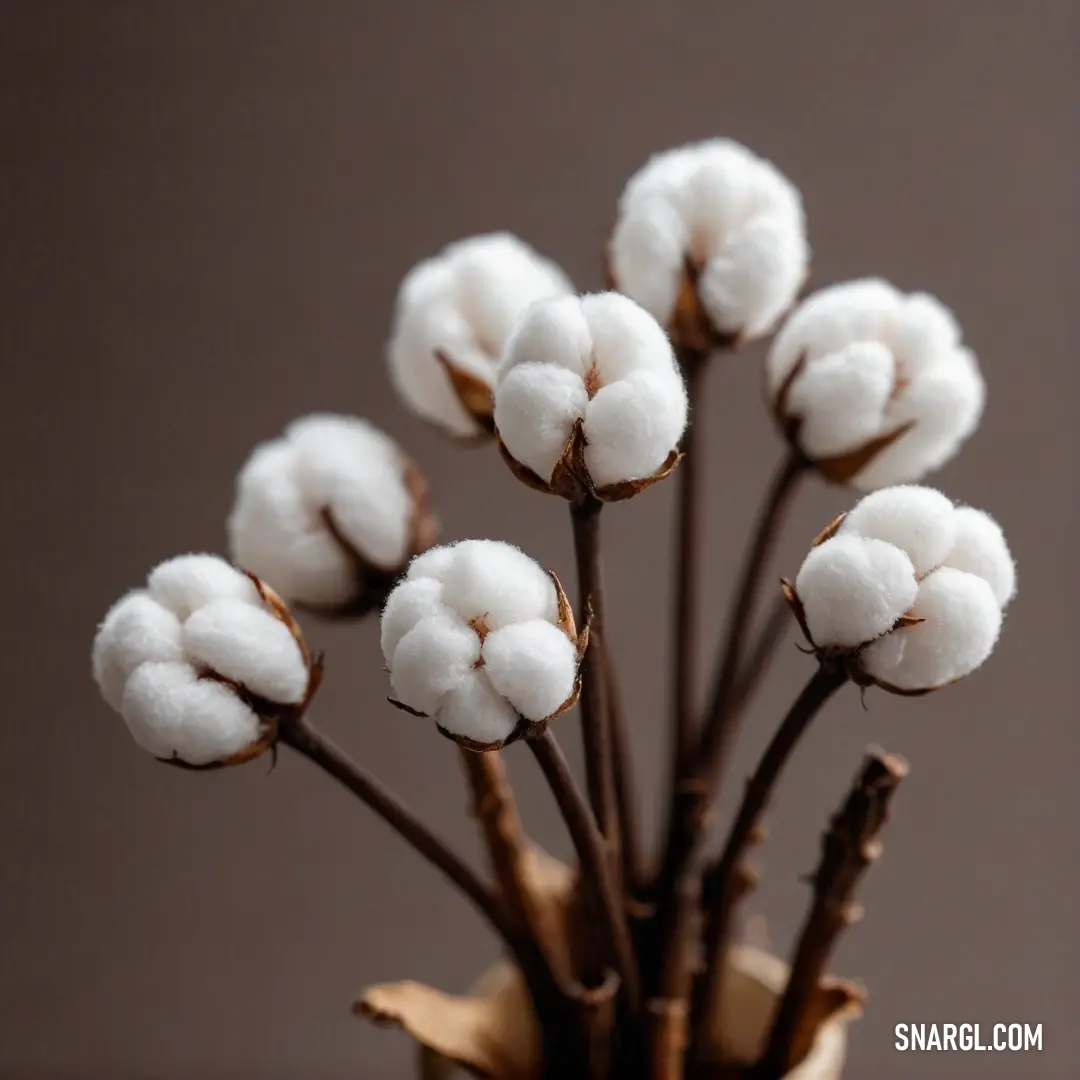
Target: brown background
{"points": [[206, 208]]}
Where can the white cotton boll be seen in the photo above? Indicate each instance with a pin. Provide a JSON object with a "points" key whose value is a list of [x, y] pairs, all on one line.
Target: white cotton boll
{"points": [[665, 175], [944, 405], [829, 320], [533, 665], [631, 426], [170, 710], [980, 548], [718, 194], [463, 303], [136, 629], [356, 472], [434, 563], [536, 406], [276, 534], [498, 583], [648, 249], [918, 520], [853, 589], [250, 647], [925, 330], [412, 600], [625, 338], [323, 465], [189, 582], [841, 399], [551, 332], [754, 278], [474, 710], [498, 277], [432, 659], [426, 322], [602, 347], [962, 625], [731, 214], [937, 393]]}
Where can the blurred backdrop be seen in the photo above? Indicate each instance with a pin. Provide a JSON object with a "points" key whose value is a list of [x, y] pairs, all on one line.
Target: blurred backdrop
{"points": [[205, 210]]}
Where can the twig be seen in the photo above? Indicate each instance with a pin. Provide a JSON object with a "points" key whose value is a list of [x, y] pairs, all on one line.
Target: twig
{"points": [[721, 881], [848, 849], [714, 739], [668, 1012], [329, 757], [595, 732], [694, 791], [687, 565], [625, 787], [757, 664], [508, 849], [595, 867]]}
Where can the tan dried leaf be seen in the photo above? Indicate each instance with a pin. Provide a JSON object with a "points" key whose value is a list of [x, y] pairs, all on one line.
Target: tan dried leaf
{"points": [[751, 989], [491, 1033]]}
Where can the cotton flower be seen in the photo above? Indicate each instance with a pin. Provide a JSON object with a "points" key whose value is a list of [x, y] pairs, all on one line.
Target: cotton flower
{"points": [[711, 240], [588, 398], [454, 313], [872, 385], [481, 638], [203, 663], [907, 588], [330, 513]]}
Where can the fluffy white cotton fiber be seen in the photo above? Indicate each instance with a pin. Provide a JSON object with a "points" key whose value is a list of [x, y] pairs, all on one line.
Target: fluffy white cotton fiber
{"points": [[876, 361], [471, 638], [599, 359], [323, 467], [729, 212], [908, 551], [160, 654], [463, 303]]}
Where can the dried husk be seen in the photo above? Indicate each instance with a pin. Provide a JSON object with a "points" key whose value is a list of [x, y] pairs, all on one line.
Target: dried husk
{"points": [[689, 327], [491, 1032], [571, 480], [472, 392]]}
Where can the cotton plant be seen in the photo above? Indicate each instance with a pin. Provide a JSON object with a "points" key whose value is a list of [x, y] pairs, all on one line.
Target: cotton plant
{"points": [[617, 967]]}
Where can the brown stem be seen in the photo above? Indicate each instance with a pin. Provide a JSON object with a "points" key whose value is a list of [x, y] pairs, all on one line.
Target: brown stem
{"points": [[595, 732], [722, 880], [508, 851], [625, 788], [715, 739], [687, 565], [336, 763], [695, 789], [848, 849], [668, 1012], [757, 664], [595, 867]]}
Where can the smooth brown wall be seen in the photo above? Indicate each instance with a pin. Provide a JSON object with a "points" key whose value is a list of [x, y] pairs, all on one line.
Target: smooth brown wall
{"points": [[205, 209]]}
